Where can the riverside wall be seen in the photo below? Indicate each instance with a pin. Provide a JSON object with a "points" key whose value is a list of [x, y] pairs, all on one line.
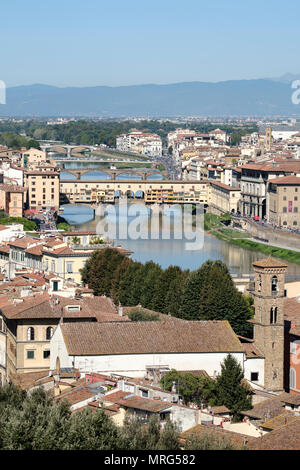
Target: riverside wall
{"points": [[274, 236]]}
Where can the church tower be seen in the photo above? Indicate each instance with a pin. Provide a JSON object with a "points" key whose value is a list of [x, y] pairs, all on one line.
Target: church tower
{"points": [[268, 321]]}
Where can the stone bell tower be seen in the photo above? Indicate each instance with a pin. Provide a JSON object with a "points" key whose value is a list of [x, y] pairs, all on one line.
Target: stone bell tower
{"points": [[268, 321]]}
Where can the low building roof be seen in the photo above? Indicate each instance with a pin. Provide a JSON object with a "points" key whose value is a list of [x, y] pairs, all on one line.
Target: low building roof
{"points": [[43, 306], [266, 409], [286, 437], [150, 337], [201, 430], [292, 180]]}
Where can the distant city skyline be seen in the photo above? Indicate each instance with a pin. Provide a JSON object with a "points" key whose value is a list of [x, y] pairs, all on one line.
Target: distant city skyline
{"points": [[92, 43]]}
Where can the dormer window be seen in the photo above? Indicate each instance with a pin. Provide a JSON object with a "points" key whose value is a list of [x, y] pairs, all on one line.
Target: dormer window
{"points": [[73, 308]]}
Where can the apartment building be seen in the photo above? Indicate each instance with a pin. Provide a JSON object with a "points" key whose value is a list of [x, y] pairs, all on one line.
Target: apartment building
{"points": [[223, 198], [12, 199], [254, 182], [284, 201], [43, 189], [140, 142]]}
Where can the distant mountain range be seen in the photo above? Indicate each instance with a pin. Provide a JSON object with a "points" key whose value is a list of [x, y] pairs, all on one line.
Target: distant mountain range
{"points": [[260, 97]]}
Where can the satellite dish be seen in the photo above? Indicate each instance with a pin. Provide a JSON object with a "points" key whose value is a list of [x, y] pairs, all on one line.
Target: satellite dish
{"points": [[298, 298]]}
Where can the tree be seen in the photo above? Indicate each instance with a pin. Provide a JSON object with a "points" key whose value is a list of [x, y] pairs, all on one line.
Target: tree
{"points": [[208, 441], [210, 294], [152, 272], [191, 387], [98, 272], [231, 391], [162, 286], [192, 290], [139, 314]]}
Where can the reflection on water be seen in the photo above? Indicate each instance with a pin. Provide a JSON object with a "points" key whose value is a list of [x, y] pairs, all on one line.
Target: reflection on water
{"points": [[173, 252]]}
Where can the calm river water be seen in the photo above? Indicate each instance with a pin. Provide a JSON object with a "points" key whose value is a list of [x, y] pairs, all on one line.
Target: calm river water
{"points": [[173, 252]]}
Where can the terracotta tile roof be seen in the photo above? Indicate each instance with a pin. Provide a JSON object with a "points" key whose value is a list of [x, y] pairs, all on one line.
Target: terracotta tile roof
{"points": [[115, 396], [266, 409], [220, 409], [12, 188], [201, 430], [286, 180], [292, 309], [269, 263], [4, 249], [35, 250], [287, 437], [144, 404], [251, 350], [24, 242], [278, 421], [28, 380], [150, 337], [42, 306], [291, 398]]}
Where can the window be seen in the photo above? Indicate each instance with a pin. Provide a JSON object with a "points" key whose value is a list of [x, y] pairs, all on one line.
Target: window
{"points": [[46, 354], [274, 282], [284, 198], [273, 315], [284, 209], [69, 267], [259, 283], [254, 376], [49, 332], [292, 378], [30, 354], [293, 345], [144, 393], [30, 334], [295, 209]]}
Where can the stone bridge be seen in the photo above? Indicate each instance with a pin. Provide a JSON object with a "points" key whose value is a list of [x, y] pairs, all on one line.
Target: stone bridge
{"points": [[67, 149], [78, 172]]}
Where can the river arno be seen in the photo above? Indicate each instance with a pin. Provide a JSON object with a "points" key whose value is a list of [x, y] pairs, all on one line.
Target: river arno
{"points": [[173, 252]]}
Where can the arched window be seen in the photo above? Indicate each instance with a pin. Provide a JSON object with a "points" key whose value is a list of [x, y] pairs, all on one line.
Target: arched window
{"points": [[292, 378], [49, 332], [274, 286], [273, 315], [259, 284], [30, 334]]}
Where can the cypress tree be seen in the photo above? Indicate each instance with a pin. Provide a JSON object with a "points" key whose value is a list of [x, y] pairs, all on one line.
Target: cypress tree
{"points": [[231, 391]]}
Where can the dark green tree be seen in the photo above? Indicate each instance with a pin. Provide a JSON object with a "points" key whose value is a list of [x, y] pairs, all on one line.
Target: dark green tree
{"points": [[231, 391], [99, 270]]}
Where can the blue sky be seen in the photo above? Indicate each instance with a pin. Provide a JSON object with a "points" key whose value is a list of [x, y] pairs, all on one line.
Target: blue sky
{"points": [[124, 42]]}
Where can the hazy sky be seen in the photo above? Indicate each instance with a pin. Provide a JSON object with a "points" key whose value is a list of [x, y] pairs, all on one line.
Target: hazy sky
{"points": [[123, 42]]}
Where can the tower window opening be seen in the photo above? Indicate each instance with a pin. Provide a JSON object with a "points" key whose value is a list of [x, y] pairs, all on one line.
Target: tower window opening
{"points": [[274, 284], [273, 315]]}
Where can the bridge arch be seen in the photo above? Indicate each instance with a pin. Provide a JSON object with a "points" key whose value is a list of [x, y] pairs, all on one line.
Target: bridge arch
{"points": [[158, 176]]}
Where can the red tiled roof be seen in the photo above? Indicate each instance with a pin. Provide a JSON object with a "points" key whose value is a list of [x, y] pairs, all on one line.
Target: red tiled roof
{"points": [[286, 180], [150, 337], [269, 263]]}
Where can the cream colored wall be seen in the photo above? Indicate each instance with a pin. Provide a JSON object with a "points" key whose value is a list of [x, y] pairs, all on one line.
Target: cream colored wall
{"points": [[38, 345], [292, 289], [45, 181], [60, 266]]}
